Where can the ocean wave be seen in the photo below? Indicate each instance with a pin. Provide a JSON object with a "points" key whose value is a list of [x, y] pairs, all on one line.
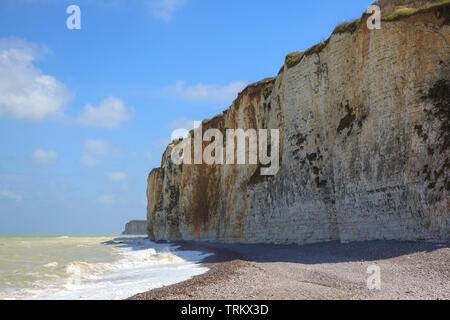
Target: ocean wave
{"points": [[134, 265]]}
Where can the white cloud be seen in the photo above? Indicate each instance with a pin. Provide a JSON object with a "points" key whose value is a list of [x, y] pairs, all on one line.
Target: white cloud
{"points": [[183, 123], [107, 199], [110, 114], [10, 195], [95, 146], [25, 92], [92, 148], [205, 92], [28, 94], [44, 157], [165, 9], [89, 161], [117, 176]]}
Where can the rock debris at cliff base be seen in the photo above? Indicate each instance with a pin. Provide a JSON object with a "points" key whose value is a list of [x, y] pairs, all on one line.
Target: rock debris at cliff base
{"points": [[333, 271]]}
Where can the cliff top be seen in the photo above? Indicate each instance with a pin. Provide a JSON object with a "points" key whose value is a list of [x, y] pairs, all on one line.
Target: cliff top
{"points": [[389, 5], [390, 10], [137, 221]]}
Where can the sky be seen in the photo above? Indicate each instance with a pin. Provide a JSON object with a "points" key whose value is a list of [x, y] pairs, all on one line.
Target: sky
{"points": [[85, 114]]}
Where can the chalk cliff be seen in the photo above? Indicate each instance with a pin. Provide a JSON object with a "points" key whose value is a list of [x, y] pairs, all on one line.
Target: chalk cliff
{"points": [[364, 144], [136, 227]]}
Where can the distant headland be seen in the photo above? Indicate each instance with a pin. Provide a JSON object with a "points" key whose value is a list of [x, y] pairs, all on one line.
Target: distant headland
{"points": [[136, 227]]}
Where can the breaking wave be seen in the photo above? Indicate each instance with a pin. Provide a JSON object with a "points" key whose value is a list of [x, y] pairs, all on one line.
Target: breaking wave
{"points": [[133, 265]]}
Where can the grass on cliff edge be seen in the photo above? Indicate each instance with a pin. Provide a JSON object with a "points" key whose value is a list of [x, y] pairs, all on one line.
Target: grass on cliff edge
{"points": [[405, 12], [347, 27], [399, 12], [294, 58]]}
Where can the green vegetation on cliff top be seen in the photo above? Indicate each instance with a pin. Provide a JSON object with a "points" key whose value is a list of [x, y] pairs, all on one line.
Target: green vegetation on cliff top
{"points": [[294, 58], [400, 12], [347, 27]]}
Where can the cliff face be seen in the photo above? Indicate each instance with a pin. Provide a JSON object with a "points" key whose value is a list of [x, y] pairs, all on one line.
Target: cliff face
{"points": [[364, 138], [136, 227]]}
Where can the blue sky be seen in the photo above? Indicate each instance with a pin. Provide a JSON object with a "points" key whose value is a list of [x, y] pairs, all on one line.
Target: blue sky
{"points": [[86, 114]]}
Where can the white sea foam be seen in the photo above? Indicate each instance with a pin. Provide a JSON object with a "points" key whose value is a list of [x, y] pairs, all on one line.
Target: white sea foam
{"points": [[139, 265], [51, 265]]}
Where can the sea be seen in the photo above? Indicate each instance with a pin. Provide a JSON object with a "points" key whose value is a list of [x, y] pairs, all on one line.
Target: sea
{"points": [[94, 267]]}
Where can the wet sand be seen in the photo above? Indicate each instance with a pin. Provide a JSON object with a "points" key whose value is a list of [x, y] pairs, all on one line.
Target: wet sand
{"points": [[326, 271]]}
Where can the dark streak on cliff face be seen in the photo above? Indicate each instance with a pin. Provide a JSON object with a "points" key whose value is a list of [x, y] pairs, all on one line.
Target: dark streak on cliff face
{"points": [[205, 197], [440, 95]]}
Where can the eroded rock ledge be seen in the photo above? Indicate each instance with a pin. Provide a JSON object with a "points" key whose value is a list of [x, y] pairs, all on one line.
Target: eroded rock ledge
{"points": [[364, 142]]}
